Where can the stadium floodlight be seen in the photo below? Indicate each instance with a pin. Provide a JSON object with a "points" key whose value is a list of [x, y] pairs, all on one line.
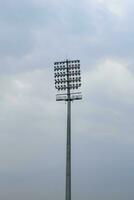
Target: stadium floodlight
{"points": [[67, 77]]}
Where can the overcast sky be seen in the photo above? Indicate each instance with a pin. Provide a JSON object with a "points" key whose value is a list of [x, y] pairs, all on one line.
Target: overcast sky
{"points": [[33, 35]]}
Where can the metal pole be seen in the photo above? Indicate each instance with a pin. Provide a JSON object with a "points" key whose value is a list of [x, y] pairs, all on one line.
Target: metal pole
{"points": [[68, 147], [67, 77]]}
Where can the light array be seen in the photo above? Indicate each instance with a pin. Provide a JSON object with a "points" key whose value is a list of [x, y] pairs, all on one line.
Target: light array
{"points": [[67, 75]]}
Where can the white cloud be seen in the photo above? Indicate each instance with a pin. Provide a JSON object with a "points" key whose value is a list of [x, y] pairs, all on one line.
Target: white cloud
{"points": [[116, 7], [28, 110], [114, 78], [108, 92]]}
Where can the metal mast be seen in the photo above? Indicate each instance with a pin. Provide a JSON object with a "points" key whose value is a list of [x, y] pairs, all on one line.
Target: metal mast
{"points": [[67, 77]]}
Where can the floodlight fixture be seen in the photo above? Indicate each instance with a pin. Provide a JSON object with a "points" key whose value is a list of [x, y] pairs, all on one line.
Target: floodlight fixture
{"points": [[67, 73]]}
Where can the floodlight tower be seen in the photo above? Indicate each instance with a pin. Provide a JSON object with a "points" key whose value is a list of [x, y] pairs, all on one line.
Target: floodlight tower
{"points": [[67, 78]]}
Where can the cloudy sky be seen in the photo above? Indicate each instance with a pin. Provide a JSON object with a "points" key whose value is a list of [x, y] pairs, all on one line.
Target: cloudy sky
{"points": [[33, 35]]}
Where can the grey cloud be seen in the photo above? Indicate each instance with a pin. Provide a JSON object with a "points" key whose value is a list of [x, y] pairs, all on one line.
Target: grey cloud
{"points": [[88, 31], [33, 126], [33, 143]]}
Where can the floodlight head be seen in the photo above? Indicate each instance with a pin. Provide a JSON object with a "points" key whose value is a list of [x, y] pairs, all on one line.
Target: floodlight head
{"points": [[67, 75]]}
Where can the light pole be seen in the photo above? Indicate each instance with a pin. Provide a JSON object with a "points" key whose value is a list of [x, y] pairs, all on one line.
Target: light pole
{"points": [[67, 78]]}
